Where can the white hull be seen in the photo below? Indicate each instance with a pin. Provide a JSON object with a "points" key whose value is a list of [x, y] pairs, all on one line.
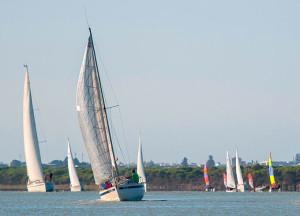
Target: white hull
{"points": [[40, 187], [128, 192], [240, 188], [77, 188]]}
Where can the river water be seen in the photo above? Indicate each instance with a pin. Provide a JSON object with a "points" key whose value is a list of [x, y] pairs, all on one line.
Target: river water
{"points": [[154, 203]]}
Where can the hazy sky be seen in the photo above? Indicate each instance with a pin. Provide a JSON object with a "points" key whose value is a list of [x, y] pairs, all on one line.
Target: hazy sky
{"points": [[195, 77]]}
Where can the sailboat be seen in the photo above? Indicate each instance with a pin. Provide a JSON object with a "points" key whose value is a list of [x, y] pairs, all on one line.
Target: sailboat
{"points": [[208, 187], [140, 166], [36, 182], [74, 181], [272, 178], [230, 178], [96, 133], [225, 180], [251, 184], [240, 182]]}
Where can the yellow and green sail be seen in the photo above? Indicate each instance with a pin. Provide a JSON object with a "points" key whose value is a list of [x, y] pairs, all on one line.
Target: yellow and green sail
{"points": [[271, 174]]}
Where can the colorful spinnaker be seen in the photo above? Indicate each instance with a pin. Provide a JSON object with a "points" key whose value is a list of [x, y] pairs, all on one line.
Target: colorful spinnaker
{"points": [[206, 176], [271, 174], [250, 180], [225, 179]]}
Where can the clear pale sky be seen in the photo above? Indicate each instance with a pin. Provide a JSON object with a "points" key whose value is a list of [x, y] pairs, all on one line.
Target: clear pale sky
{"points": [[195, 77]]}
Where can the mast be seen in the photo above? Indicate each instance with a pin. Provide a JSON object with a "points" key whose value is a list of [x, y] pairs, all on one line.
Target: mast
{"points": [[108, 134]]}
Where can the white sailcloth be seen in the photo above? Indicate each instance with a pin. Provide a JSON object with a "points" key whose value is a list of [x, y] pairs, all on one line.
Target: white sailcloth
{"points": [[140, 163], [72, 171], [230, 177], [238, 169], [93, 119], [31, 144]]}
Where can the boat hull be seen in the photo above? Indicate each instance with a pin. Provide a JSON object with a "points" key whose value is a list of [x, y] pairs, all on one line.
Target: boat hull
{"points": [[40, 187], [128, 192], [77, 188]]}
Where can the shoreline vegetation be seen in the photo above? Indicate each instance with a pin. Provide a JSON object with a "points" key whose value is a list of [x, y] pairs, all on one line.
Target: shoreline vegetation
{"points": [[159, 179]]}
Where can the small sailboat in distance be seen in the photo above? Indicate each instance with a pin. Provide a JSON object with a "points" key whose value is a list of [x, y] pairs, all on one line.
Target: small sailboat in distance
{"points": [[140, 165], [230, 178], [95, 130], [36, 182], [272, 178], [251, 184], [240, 182], [207, 186], [74, 180]]}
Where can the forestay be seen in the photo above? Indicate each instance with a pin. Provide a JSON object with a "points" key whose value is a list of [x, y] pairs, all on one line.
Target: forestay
{"points": [[31, 144], [92, 117]]}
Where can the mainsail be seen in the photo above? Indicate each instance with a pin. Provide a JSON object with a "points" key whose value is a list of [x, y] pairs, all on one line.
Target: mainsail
{"points": [[250, 180], [72, 171], [238, 169], [31, 144], [271, 174], [206, 175], [140, 163], [230, 177], [93, 118]]}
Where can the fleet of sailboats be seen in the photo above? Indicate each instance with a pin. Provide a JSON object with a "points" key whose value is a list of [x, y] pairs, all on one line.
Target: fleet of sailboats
{"points": [[36, 182], [93, 121], [74, 180]]}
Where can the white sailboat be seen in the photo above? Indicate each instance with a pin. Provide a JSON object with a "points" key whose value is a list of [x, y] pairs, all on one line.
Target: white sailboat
{"points": [[140, 165], [96, 133], [230, 178], [74, 180], [36, 182], [240, 182]]}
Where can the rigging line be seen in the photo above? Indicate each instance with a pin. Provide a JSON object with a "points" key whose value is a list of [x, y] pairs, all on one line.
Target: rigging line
{"points": [[114, 131], [104, 68], [86, 17]]}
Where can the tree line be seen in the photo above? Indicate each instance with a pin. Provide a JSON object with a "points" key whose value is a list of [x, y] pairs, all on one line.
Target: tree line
{"points": [[182, 178]]}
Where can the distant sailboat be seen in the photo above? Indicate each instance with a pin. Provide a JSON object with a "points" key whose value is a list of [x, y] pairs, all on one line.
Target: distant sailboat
{"points": [[208, 187], [240, 182], [96, 133], [272, 178], [36, 182], [251, 184], [140, 165], [230, 178], [74, 180], [225, 180]]}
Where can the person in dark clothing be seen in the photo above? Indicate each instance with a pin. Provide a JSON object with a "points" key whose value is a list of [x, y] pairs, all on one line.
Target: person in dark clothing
{"points": [[50, 175]]}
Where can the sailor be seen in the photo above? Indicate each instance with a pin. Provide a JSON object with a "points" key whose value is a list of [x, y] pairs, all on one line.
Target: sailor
{"points": [[50, 176], [135, 176]]}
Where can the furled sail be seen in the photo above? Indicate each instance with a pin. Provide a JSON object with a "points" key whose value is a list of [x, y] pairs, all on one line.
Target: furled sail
{"points": [[72, 171], [93, 119], [31, 144], [250, 180], [271, 174], [140, 163], [230, 177], [238, 169], [225, 179], [206, 175]]}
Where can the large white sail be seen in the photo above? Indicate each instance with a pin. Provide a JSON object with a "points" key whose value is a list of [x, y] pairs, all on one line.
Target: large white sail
{"points": [[230, 177], [140, 163], [238, 169], [31, 144], [93, 119], [72, 171]]}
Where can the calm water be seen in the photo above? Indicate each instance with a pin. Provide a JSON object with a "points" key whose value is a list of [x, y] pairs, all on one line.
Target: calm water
{"points": [[155, 203]]}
